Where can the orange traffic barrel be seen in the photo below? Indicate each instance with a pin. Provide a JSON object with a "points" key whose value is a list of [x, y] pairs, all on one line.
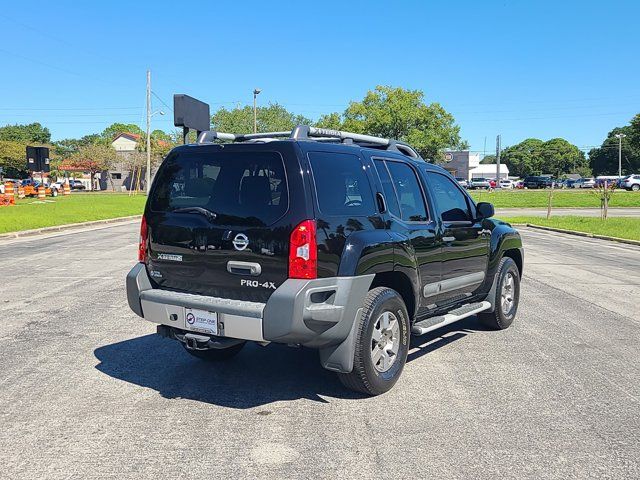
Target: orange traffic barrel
{"points": [[8, 189], [21, 191], [41, 192], [66, 189]]}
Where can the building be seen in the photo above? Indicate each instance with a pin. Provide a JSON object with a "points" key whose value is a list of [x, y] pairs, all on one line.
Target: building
{"points": [[125, 142], [466, 164], [122, 175]]}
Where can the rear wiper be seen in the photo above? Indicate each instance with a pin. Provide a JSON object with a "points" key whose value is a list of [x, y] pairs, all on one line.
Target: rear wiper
{"points": [[211, 216]]}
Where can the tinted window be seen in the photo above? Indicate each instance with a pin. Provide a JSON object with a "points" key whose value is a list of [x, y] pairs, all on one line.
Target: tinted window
{"points": [[239, 187], [387, 187], [341, 183], [409, 193], [451, 202]]}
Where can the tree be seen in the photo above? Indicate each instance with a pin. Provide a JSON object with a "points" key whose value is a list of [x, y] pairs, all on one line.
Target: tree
{"points": [[559, 157], [401, 114], [534, 157], [603, 160], [524, 158], [68, 146], [160, 135], [12, 158], [490, 159], [93, 158], [114, 129], [332, 121], [31, 133], [272, 118]]}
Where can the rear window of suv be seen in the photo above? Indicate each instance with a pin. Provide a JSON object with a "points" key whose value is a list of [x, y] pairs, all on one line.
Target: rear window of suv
{"points": [[247, 188]]}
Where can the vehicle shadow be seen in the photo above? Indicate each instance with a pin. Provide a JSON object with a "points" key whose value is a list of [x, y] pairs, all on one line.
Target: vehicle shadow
{"points": [[444, 336], [256, 376]]}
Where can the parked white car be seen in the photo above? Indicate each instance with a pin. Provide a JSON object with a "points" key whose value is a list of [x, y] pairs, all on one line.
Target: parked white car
{"points": [[506, 183]]}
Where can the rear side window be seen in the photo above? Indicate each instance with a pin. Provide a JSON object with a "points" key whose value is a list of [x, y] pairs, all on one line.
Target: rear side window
{"points": [[341, 184], [408, 191], [240, 187], [387, 187], [451, 202]]}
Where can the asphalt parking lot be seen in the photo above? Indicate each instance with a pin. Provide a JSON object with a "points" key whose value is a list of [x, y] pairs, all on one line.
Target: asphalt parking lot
{"points": [[88, 391]]}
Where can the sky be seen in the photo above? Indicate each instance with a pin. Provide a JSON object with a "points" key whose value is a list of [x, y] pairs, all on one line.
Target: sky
{"points": [[520, 69]]}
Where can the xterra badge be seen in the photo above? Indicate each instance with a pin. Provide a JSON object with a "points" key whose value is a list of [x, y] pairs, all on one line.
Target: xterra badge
{"points": [[170, 256]]}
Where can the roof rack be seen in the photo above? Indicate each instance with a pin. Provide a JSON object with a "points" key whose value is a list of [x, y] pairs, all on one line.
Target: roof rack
{"points": [[305, 132]]}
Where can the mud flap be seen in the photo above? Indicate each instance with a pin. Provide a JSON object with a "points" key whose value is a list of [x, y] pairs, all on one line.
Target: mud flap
{"points": [[339, 358]]}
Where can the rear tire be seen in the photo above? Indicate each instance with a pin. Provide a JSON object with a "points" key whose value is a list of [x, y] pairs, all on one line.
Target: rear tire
{"points": [[216, 354], [382, 343], [506, 298], [635, 188]]}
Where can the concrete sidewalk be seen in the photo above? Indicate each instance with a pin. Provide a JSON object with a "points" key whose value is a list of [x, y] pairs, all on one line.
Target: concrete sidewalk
{"points": [[557, 212]]}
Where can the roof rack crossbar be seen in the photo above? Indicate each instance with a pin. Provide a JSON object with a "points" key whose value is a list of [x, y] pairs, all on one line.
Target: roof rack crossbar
{"points": [[356, 137], [305, 132], [211, 135]]}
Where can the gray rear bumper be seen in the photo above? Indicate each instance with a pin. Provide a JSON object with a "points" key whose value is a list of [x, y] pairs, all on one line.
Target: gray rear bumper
{"points": [[317, 313]]}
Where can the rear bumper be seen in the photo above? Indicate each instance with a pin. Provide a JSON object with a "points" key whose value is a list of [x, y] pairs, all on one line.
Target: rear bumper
{"points": [[317, 313]]}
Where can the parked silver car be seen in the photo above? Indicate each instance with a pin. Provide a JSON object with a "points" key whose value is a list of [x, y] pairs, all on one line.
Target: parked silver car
{"points": [[632, 182], [585, 183], [463, 182], [479, 183]]}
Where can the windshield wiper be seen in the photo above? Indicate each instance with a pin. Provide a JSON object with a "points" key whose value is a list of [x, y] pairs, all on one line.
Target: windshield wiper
{"points": [[211, 216]]}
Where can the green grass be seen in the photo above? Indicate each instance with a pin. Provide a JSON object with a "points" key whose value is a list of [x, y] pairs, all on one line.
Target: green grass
{"points": [[561, 198], [620, 227], [28, 213]]}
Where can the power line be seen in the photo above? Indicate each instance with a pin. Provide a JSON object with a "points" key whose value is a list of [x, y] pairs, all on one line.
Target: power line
{"points": [[161, 100]]}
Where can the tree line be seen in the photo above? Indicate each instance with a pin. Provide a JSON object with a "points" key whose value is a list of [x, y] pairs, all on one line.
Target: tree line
{"points": [[385, 111]]}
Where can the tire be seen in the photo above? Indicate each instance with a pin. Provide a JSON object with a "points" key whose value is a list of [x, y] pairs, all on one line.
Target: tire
{"points": [[54, 192], [505, 312], [635, 187], [381, 306], [216, 354]]}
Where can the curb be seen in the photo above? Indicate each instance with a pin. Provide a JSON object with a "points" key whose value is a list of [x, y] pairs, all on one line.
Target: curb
{"points": [[69, 226], [583, 234]]}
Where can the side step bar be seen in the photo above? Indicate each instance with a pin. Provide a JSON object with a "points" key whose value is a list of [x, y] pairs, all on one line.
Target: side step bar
{"points": [[433, 323]]}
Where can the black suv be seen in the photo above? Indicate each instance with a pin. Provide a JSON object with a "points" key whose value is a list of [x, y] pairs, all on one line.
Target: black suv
{"points": [[538, 182], [341, 242]]}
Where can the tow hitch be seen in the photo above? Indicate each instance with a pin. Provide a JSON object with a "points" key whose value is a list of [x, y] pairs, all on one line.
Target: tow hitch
{"points": [[196, 341]]}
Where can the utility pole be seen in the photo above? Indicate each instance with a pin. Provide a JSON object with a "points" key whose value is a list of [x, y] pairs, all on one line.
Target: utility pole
{"points": [[148, 173], [498, 162], [620, 136], [256, 91]]}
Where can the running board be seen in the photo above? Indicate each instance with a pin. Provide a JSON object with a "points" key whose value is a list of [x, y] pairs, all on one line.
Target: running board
{"points": [[433, 323]]}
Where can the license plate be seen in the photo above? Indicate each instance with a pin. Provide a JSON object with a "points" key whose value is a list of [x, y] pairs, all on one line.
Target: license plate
{"points": [[201, 321]]}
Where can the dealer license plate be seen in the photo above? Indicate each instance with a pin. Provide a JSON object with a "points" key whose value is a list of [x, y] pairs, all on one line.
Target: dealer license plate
{"points": [[201, 321]]}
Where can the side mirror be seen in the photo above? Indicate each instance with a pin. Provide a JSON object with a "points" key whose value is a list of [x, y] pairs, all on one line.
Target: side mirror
{"points": [[485, 210]]}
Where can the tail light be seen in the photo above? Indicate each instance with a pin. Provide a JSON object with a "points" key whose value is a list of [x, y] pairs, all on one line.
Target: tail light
{"points": [[303, 251], [142, 246]]}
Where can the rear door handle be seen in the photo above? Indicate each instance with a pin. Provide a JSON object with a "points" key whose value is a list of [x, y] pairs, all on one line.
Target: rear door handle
{"points": [[448, 239], [244, 268]]}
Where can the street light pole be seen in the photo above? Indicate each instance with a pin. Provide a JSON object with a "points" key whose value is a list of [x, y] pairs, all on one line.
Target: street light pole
{"points": [[620, 136], [256, 91], [147, 178]]}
